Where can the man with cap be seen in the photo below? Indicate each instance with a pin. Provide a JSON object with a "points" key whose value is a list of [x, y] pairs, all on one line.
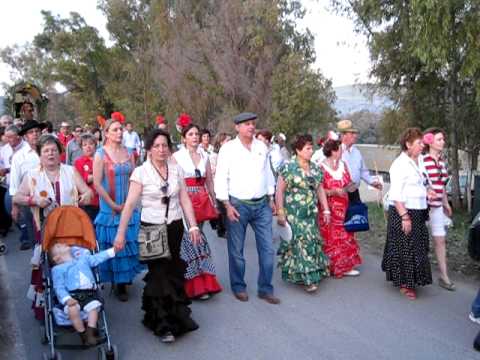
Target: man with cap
{"points": [[245, 184], [24, 160], [64, 136], [353, 158]]}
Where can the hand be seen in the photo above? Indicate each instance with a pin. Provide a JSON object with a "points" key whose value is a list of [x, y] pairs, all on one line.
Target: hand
{"points": [[89, 179], [195, 236], [85, 198], [281, 220], [4, 171], [273, 207], [72, 302], [326, 218], [118, 208], [232, 213], [431, 194], [119, 243], [42, 202], [447, 210], [377, 185], [15, 212], [406, 225]]}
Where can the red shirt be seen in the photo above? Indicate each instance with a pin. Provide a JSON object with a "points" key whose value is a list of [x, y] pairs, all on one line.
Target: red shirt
{"points": [[438, 176], [64, 141], [84, 165]]}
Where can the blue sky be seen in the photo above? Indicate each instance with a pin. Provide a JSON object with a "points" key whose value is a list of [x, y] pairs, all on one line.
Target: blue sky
{"points": [[342, 54]]}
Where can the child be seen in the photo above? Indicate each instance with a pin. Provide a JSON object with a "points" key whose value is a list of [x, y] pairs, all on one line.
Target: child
{"points": [[74, 285]]}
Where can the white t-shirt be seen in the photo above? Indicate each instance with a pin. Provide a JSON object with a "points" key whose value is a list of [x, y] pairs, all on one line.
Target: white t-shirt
{"points": [[183, 159], [153, 208]]}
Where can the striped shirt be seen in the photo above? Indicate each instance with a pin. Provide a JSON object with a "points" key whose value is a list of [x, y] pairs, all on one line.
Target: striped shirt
{"points": [[437, 176]]}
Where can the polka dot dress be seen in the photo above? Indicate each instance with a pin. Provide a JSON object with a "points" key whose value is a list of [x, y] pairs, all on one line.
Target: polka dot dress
{"points": [[405, 258]]}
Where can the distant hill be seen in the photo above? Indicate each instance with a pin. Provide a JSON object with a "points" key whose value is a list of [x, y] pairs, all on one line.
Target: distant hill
{"points": [[353, 98]]}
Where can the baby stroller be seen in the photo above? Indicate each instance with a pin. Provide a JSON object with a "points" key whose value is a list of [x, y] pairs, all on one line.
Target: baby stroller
{"points": [[72, 226]]}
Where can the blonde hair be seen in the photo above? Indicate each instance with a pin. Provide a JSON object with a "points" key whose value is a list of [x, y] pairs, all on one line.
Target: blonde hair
{"points": [[107, 125]]}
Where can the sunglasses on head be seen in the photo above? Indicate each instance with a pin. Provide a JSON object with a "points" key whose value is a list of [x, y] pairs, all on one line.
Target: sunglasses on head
{"points": [[198, 173]]}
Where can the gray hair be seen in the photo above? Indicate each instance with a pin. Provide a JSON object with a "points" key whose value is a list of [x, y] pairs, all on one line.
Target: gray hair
{"points": [[12, 128], [6, 117]]}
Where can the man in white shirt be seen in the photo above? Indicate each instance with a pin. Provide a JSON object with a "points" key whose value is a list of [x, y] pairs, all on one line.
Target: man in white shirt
{"points": [[353, 158], [24, 160], [245, 184], [131, 140]]}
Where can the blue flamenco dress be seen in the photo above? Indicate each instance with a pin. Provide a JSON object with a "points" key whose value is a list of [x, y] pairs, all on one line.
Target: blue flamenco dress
{"points": [[125, 265]]}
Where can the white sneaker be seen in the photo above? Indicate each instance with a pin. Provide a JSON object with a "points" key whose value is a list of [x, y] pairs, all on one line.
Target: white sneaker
{"points": [[472, 317], [352, 272]]}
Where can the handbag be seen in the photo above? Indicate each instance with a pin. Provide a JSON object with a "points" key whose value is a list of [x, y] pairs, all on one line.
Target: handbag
{"points": [[474, 239], [203, 207], [356, 218], [153, 240]]}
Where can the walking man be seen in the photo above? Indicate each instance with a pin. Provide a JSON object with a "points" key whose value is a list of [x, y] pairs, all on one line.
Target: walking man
{"points": [[245, 184]]}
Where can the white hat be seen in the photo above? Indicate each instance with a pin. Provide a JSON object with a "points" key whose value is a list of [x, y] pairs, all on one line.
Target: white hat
{"points": [[282, 136]]}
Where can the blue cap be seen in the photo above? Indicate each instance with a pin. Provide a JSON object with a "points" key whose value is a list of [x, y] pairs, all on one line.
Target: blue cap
{"points": [[244, 117]]}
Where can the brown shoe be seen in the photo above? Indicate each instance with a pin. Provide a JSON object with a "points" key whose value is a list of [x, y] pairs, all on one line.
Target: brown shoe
{"points": [[269, 298], [242, 296]]}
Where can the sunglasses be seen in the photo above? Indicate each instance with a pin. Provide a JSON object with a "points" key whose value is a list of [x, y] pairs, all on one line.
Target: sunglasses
{"points": [[310, 182], [165, 198]]}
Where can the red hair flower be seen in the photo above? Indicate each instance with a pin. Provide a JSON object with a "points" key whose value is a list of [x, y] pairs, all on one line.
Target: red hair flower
{"points": [[159, 119], [101, 120], [118, 116], [184, 120], [428, 138]]}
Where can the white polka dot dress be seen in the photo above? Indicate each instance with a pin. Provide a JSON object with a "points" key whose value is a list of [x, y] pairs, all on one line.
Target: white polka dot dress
{"points": [[405, 258]]}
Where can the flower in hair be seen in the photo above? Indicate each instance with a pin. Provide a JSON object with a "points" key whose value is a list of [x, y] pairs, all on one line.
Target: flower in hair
{"points": [[159, 119], [101, 121], [118, 116], [184, 120], [428, 138]]}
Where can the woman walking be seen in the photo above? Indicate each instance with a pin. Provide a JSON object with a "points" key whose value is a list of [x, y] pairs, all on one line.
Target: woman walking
{"points": [[299, 188], [436, 170], [112, 166], [159, 185], [201, 281], [340, 246], [405, 259]]}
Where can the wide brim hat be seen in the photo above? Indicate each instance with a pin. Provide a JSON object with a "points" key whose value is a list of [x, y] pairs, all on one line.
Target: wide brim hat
{"points": [[346, 126], [285, 232], [31, 124]]}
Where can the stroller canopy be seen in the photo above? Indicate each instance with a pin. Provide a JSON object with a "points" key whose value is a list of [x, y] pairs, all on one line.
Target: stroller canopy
{"points": [[68, 225]]}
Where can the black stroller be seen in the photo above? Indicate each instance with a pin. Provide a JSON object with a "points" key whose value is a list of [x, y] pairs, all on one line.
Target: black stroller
{"points": [[69, 225]]}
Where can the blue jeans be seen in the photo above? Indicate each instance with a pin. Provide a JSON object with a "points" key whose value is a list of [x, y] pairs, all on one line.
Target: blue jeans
{"points": [[259, 216], [25, 224], [476, 305]]}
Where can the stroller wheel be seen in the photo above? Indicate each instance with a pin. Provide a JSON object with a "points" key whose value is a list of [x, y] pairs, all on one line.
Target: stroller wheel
{"points": [[105, 354], [3, 248]]}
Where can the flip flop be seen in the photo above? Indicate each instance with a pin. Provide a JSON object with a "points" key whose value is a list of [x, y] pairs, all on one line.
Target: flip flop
{"points": [[447, 286], [409, 293]]}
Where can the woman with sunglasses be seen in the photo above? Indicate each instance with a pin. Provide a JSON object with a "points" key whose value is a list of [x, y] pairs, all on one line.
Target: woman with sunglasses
{"points": [[112, 166], [201, 282], [159, 186], [405, 258], [340, 246], [299, 189]]}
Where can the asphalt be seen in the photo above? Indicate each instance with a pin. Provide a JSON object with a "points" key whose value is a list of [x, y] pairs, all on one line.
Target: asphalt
{"points": [[351, 318]]}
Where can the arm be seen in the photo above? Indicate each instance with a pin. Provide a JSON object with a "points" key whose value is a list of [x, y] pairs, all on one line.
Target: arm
{"points": [[85, 193], [138, 143], [209, 181], [97, 182], [322, 197], [279, 196], [23, 197], [59, 285], [94, 260], [397, 184], [134, 193], [79, 166], [187, 208]]}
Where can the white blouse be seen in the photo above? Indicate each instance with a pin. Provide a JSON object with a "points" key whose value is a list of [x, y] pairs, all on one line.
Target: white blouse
{"points": [[153, 209], [408, 183], [183, 159]]}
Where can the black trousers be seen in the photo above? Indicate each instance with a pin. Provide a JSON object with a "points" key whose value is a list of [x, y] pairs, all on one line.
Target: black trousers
{"points": [[354, 196]]}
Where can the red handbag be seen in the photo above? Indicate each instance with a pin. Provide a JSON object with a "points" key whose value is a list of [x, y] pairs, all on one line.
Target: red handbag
{"points": [[203, 207]]}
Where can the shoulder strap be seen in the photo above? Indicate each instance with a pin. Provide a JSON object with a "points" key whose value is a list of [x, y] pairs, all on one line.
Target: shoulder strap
{"points": [[109, 174]]}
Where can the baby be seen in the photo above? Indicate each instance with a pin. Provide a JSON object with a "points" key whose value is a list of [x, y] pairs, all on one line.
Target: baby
{"points": [[74, 285]]}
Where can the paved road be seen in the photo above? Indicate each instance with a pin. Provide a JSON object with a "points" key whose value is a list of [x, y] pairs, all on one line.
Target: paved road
{"points": [[351, 318]]}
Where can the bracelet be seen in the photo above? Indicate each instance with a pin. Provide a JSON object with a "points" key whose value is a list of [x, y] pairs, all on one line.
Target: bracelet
{"points": [[281, 211], [326, 212], [193, 228]]}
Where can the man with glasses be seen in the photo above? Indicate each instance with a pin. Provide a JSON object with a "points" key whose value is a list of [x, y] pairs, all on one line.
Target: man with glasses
{"points": [[74, 148], [245, 184], [23, 160]]}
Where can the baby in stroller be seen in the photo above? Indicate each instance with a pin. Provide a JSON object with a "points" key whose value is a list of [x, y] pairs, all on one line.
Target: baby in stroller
{"points": [[75, 286]]}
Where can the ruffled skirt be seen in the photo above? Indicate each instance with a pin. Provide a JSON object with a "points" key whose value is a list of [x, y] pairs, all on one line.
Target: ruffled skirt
{"points": [[123, 268]]}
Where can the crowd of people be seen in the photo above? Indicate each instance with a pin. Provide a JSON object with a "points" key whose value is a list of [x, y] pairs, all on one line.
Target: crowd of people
{"points": [[125, 183]]}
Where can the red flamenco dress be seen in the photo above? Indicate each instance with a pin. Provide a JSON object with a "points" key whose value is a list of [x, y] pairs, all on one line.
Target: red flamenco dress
{"points": [[200, 278], [339, 245]]}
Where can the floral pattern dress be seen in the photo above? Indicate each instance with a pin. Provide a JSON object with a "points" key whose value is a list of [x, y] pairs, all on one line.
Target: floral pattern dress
{"points": [[302, 260]]}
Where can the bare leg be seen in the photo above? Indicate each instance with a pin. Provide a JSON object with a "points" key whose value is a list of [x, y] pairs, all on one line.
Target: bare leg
{"points": [[74, 315], [92, 318], [441, 253]]}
